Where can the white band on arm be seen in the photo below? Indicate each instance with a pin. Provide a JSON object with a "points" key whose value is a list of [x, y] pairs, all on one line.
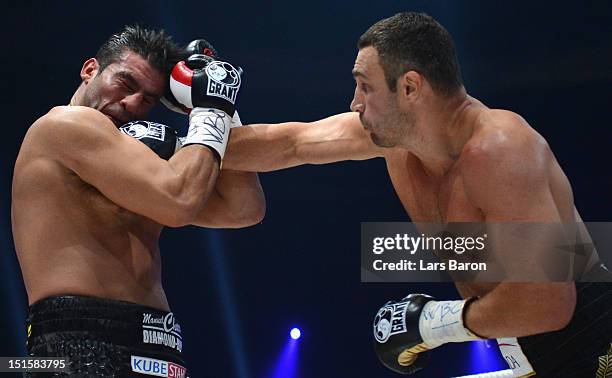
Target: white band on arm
{"points": [[209, 127], [236, 122], [442, 322], [180, 142]]}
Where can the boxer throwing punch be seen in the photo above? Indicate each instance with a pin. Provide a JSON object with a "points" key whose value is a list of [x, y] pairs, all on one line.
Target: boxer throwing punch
{"points": [[450, 159]]}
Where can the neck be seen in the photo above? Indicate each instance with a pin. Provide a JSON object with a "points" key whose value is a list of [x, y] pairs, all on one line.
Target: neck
{"points": [[76, 97], [442, 130]]}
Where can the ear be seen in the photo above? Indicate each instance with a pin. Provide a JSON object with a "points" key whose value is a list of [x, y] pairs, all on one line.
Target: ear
{"points": [[89, 69], [410, 85]]}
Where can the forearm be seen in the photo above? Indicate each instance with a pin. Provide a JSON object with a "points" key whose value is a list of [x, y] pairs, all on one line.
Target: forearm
{"points": [[194, 172], [243, 196], [522, 309], [262, 147], [236, 201]]}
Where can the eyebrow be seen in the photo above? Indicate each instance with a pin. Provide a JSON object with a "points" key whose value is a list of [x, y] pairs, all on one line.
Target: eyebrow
{"points": [[126, 75], [357, 73]]}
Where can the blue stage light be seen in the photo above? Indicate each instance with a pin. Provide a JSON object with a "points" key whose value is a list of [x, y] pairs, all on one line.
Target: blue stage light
{"points": [[485, 357], [286, 365], [295, 333]]}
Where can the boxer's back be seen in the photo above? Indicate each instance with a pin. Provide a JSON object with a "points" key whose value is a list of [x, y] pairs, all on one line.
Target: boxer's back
{"points": [[70, 239]]}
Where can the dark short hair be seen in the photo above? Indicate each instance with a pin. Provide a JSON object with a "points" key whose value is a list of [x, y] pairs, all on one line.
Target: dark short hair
{"points": [[413, 41], [155, 46]]}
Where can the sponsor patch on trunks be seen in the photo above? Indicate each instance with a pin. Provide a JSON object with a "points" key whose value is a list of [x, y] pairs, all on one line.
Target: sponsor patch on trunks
{"points": [[158, 368], [162, 330]]}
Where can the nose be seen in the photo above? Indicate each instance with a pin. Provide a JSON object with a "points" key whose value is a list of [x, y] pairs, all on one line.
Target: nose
{"points": [[357, 103], [133, 103]]}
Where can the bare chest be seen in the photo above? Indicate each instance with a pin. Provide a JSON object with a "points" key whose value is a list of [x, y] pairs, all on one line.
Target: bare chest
{"points": [[60, 206], [110, 224], [428, 199]]}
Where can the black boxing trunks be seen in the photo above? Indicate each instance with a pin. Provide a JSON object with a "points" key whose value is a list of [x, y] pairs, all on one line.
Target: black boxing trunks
{"points": [[105, 338], [580, 350]]}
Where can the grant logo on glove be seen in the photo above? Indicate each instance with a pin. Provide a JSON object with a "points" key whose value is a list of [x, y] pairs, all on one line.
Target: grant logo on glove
{"points": [[216, 71], [224, 80], [390, 320]]}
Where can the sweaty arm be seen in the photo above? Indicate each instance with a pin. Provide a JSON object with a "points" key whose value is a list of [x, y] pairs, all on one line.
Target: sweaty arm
{"points": [[269, 147], [237, 200], [126, 171], [507, 178]]}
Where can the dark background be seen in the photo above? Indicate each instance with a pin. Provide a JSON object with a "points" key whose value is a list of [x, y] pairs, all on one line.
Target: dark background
{"points": [[237, 292]]}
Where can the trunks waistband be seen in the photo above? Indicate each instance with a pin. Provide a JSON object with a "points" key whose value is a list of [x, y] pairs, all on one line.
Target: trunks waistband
{"points": [[138, 327]]}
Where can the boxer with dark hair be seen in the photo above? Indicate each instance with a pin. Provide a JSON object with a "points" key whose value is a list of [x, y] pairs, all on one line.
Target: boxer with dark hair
{"points": [[91, 196], [451, 159]]}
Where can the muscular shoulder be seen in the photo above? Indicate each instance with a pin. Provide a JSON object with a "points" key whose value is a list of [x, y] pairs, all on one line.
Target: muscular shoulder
{"points": [[65, 123], [504, 152], [65, 131], [504, 140], [67, 117]]}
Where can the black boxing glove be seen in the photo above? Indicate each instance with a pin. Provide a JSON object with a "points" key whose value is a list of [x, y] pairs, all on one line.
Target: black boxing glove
{"points": [[200, 46], [160, 138], [405, 331], [209, 88], [197, 46], [203, 82]]}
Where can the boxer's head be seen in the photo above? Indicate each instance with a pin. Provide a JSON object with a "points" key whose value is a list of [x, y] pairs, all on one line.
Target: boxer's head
{"points": [[128, 75], [401, 60]]}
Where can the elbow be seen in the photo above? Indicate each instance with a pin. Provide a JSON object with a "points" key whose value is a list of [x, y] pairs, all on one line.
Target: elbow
{"points": [[558, 307], [252, 214], [563, 314], [258, 213]]}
